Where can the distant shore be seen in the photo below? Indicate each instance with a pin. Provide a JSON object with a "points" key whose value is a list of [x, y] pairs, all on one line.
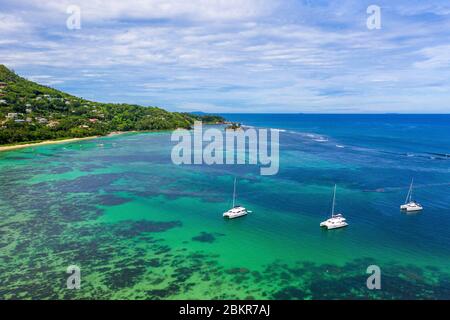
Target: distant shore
{"points": [[33, 144]]}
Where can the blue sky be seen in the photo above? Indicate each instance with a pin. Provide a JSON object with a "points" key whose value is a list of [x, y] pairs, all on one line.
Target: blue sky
{"points": [[237, 56]]}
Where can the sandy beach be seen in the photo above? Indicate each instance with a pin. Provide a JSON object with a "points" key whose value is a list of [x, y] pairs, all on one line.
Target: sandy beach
{"points": [[34, 144], [26, 145]]}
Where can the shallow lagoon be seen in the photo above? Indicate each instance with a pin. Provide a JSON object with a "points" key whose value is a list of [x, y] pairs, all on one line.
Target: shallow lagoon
{"points": [[140, 227]]}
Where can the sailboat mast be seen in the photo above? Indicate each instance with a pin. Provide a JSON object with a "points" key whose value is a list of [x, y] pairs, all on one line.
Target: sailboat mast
{"points": [[334, 200], [234, 192], [409, 195]]}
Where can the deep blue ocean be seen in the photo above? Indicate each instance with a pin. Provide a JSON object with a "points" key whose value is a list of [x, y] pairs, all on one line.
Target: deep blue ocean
{"points": [[374, 157], [400, 133]]}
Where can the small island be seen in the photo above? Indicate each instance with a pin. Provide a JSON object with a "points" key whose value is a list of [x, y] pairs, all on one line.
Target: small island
{"points": [[233, 126]]}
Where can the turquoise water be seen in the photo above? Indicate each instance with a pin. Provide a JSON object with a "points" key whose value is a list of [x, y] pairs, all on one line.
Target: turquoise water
{"points": [[140, 227]]}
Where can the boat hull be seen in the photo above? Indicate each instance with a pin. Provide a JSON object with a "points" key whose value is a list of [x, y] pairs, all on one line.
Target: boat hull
{"points": [[233, 216], [333, 226], [411, 207]]}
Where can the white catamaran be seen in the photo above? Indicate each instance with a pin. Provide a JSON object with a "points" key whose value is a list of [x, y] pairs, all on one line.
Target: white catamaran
{"points": [[410, 205], [337, 220], [236, 211]]}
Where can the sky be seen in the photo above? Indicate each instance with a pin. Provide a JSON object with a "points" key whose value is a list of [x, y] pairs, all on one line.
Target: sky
{"points": [[251, 56]]}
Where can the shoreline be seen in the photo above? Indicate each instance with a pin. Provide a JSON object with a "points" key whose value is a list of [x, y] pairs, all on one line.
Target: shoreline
{"points": [[68, 140], [42, 143]]}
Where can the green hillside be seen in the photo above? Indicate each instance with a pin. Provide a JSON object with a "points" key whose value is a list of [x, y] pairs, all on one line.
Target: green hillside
{"points": [[33, 112]]}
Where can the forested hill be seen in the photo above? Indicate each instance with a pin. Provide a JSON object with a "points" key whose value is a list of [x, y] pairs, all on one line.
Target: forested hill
{"points": [[33, 112]]}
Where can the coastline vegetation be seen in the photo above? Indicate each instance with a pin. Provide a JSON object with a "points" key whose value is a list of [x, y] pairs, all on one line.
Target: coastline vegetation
{"points": [[30, 112]]}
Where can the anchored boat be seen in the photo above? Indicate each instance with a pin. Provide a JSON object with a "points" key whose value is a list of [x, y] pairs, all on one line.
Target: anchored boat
{"points": [[411, 205], [337, 220], [236, 211]]}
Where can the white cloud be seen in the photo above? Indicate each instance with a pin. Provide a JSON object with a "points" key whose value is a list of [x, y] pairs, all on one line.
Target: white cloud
{"points": [[205, 107], [201, 10], [11, 24], [46, 79], [435, 57], [438, 7]]}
